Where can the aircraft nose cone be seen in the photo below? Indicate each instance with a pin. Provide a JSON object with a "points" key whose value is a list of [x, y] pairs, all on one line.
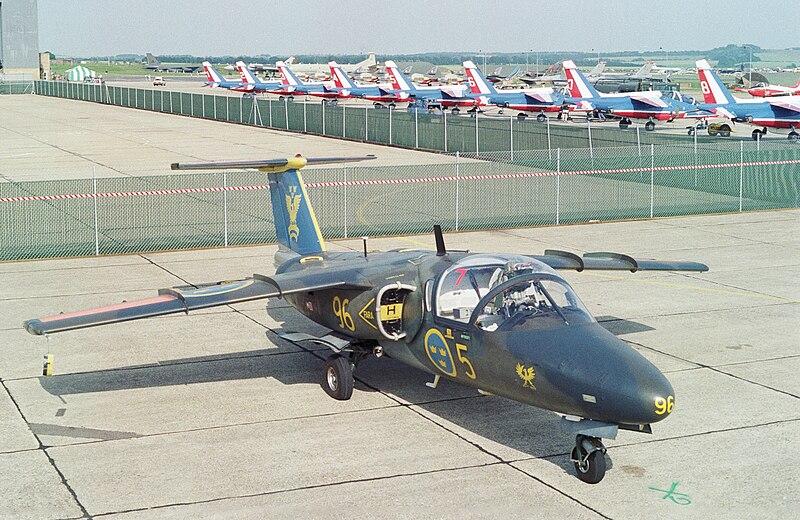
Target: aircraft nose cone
{"points": [[657, 398]]}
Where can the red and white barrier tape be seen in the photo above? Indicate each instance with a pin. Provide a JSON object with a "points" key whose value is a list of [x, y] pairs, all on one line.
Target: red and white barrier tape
{"points": [[378, 182]]}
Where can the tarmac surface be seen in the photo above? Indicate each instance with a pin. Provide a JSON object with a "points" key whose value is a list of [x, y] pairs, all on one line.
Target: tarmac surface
{"points": [[214, 415], [43, 138]]}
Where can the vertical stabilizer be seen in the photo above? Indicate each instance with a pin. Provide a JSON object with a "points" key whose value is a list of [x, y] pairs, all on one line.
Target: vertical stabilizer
{"points": [[287, 76], [714, 91], [246, 74], [398, 79], [477, 82], [577, 84]]}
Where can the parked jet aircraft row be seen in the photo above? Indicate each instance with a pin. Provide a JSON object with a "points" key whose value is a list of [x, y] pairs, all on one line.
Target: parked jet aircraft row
{"points": [[578, 96]]}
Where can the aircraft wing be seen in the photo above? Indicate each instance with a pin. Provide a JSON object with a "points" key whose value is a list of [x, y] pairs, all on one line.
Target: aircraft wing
{"points": [[613, 262], [186, 298], [648, 98], [789, 104], [539, 96]]}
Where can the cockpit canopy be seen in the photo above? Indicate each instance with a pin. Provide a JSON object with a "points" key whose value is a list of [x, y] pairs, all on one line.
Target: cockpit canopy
{"points": [[507, 292]]}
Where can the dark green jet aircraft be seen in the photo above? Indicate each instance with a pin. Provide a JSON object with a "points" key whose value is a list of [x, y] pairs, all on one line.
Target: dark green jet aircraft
{"points": [[505, 324]]}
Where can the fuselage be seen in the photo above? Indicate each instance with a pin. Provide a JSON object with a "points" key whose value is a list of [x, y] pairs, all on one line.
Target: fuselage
{"points": [[430, 312]]}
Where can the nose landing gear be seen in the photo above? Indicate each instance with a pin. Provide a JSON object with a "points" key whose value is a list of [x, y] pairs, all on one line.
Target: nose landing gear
{"points": [[589, 458]]}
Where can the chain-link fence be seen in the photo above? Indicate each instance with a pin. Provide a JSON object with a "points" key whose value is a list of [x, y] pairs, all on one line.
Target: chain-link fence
{"points": [[474, 133], [156, 213]]}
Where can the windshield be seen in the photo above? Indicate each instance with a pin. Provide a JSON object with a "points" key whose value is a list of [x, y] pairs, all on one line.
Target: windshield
{"points": [[533, 302]]}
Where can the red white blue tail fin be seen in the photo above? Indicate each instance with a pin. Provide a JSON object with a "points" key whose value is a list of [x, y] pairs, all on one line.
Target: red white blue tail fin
{"points": [[211, 73], [714, 91], [477, 83], [340, 77], [287, 76], [577, 84], [246, 74], [398, 79]]}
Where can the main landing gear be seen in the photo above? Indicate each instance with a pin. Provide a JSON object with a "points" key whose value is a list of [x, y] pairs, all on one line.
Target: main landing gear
{"points": [[589, 458], [624, 123], [339, 367], [758, 134]]}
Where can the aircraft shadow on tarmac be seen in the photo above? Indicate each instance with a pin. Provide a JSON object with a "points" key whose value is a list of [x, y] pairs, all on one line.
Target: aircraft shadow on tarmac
{"points": [[483, 420]]}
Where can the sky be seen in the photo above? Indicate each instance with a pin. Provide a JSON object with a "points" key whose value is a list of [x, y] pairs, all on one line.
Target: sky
{"points": [[229, 27]]}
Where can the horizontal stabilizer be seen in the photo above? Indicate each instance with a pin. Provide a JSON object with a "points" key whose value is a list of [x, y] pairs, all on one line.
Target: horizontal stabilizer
{"points": [[613, 262], [269, 164]]}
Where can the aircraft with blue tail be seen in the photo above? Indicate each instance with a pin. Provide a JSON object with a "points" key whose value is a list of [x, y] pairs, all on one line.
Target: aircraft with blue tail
{"points": [[781, 112], [378, 94], [292, 85], [451, 96], [541, 100], [650, 105], [215, 80], [257, 84]]}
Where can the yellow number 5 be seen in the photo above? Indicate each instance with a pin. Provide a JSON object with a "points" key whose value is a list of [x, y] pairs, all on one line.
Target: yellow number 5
{"points": [[470, 372], [340, 310], [664, 405]]}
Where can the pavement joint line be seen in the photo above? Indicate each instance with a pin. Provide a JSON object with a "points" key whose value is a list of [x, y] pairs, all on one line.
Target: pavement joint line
{"points": [[153, 262], [50, 459], [750, 362], [712, 368], [299, 488], [68, 152]]}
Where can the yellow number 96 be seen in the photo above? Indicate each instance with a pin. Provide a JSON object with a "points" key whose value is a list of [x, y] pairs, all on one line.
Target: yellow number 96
{"points": [[664, 405], [340, 310]]}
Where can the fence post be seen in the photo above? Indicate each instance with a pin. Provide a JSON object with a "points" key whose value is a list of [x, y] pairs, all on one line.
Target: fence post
{"points": [[458, 175], [591, 149], [549, 148], [94, 199], [269, 104], [638, 143], [652, 168], [444, 116], [345, 201], [227, 108], [286, 112], [390, 124], [323, 117], [225, 205], [695, 144], [135, 98], [344, 121], [477, 146], [416, 128], [741, 174], [241, 109], [511, 135], [366, 123], [191, 104], [558, 186], [305, 117]]}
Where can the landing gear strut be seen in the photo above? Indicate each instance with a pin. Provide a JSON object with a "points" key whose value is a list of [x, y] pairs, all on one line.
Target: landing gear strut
{"points": [[339, 367], [589, 458]]}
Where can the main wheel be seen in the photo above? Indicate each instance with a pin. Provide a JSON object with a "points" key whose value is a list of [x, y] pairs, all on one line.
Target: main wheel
{"points": [[725, 131], [624, 123], [541, 118], [455, 111], [522, 116], [593, 469], [649, 126], [793, 136], [339, 377], [757, 135]]}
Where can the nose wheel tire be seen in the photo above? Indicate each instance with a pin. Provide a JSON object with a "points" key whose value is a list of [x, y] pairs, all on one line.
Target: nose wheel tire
{"points": [[649, 126], [338, 377], [589, 458]]}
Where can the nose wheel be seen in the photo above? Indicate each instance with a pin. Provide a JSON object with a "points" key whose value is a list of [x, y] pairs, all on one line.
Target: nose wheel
{"points": [[589, 458]]}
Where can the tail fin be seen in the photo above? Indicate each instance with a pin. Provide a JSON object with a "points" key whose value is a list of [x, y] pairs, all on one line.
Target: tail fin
{"points": [[368, 63], [398, 79], [714, 91], [151, 60], [597, 70], [644, 71], [340, 77], [295, 222], [287, 76], [578, 85], [477, 83], [246, 74], [211, 73]]}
